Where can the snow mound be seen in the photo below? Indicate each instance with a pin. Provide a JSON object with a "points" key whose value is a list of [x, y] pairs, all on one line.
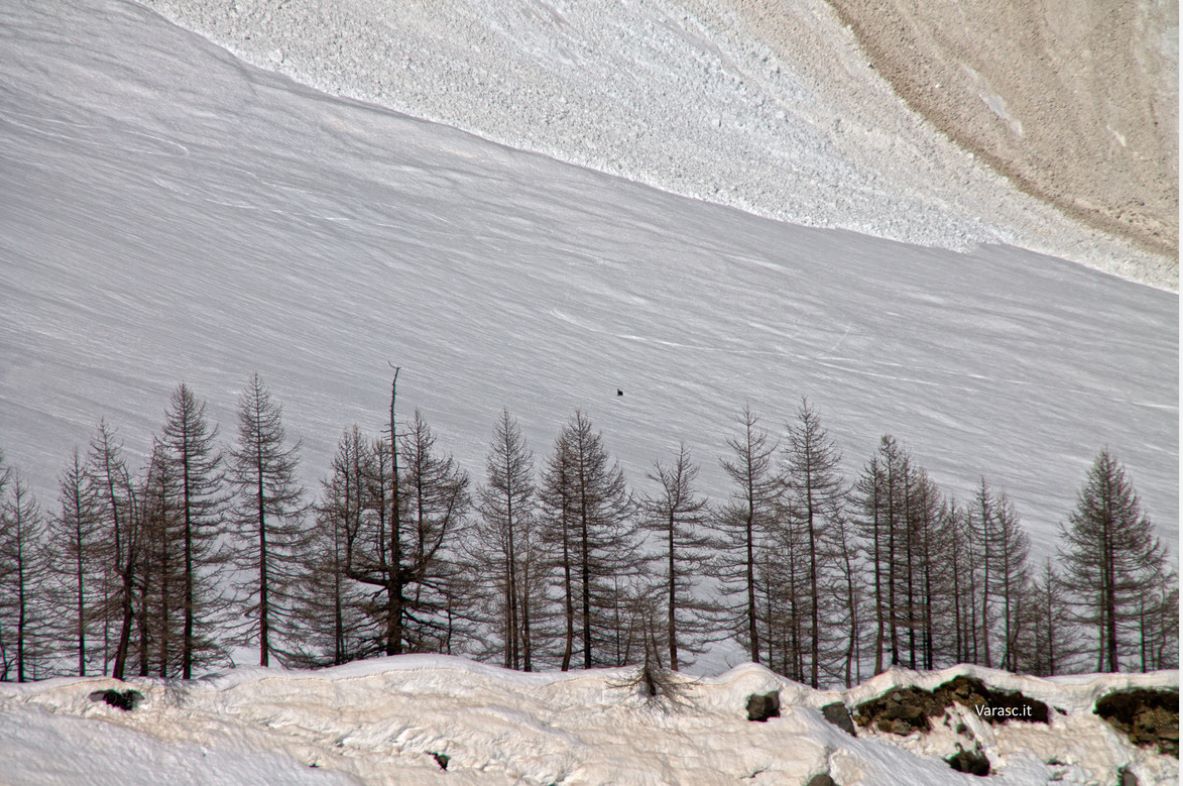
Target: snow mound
{"points": [[393, 720], [776, 112]]}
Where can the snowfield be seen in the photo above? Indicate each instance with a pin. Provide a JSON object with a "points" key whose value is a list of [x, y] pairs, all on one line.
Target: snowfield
{"points": [[381, 721], [766, 106], [170, 214]]}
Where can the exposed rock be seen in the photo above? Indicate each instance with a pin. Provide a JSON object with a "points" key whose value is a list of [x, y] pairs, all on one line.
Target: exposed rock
{"points": [[125, 700], [1147, 716], [972, 762], [837, 714], [441, 759], [1126, 778], [762, 706], [821, 779], [904, 710]]}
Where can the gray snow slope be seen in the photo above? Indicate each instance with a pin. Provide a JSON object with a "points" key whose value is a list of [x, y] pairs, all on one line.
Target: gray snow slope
{"points": [[169, 213]]}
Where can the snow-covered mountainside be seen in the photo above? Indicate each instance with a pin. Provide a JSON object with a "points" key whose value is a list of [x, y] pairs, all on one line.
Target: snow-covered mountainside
{"points": [[171, 214], [396, 720], [767, 106]]}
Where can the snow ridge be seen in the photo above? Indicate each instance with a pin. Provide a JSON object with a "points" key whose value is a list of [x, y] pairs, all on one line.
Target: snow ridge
{"points": [[382, 722]]}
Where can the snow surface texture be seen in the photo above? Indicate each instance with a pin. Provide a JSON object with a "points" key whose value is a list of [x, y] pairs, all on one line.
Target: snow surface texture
{"points": [[381, 721], [782, 116], [170, 214]]}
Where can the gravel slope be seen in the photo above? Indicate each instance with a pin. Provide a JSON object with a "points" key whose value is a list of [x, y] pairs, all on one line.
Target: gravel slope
{"points": [[1076, 102]]}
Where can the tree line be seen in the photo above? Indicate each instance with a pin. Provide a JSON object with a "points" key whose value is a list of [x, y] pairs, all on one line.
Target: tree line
{"points": [[555, 563]]}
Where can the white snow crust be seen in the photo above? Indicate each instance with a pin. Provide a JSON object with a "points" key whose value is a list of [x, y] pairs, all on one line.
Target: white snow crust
{"points": [[690, 96], [171, 214], [380, 721]]}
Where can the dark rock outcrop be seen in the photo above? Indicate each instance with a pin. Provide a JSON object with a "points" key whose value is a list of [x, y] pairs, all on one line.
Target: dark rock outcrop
{"points": [[904, 710], [837, 714], [970, 762], [1148, 716], [762, 706], [126, 700]]}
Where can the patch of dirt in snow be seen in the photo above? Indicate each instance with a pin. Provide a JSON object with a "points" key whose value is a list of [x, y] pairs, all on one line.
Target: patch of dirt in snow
{"points": [[1076, 103]]}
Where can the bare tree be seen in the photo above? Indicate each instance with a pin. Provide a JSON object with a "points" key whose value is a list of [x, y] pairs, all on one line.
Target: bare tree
{"points": [[403, 541], [269, 512], [815, 491], [505, 540], [746, 522], [1110, 555], [24, 572], [75, 535], [676, 516], [334, 619], [1010, 575], [115, 498], [190, 449], [588, 528]]}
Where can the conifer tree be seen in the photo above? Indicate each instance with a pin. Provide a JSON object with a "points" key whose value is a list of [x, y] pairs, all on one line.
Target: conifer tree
{"points": [[120, 543], [746, 522], [76, 553], [505, 539], [1111, 556], [815, 492], [589, 524], [195, 461], [675, 516], [269, 511], [24, 573], [334, 622]]}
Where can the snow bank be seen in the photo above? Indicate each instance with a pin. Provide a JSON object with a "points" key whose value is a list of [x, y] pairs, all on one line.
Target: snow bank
{"points": [[383, 722], [771, 110]]}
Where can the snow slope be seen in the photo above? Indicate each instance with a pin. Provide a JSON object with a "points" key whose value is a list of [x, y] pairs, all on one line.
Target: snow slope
{"points": [[380, 721], [168, 213], [766, 106]]}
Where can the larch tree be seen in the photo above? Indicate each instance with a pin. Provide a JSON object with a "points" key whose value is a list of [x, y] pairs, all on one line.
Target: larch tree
{"points": [[24, 572], [74, 534], [746, 522], [880, 500], [116, 501], [403, 544], [1110, 556], [1010, 574], [815, 491], [504, 546], [334, 620], [589, 522], [675, 517], [196, 463], [269, 513], [437, 498]]}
